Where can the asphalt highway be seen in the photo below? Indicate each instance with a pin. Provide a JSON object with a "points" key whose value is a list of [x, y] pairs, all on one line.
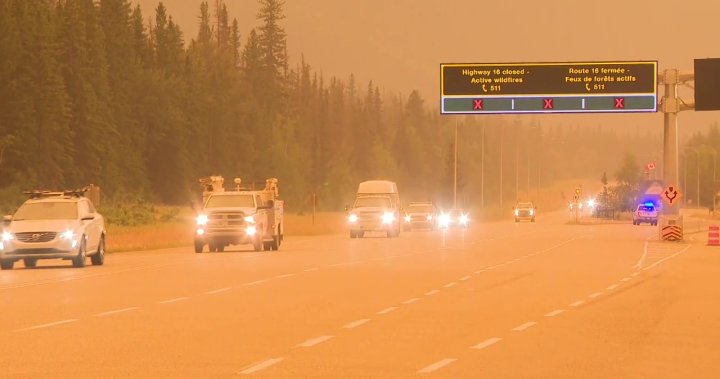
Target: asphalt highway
{"points": [[499, 300]]}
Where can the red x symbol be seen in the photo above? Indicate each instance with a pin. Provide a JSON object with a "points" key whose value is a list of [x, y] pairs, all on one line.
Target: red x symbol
{"points": [[619, 102], [478, 104], [548, 104]]}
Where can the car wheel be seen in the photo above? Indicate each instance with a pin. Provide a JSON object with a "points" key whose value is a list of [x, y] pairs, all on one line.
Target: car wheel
{"points": [[257, 244], [361, 234], [79, 261], [30, 262], [516, 220], [353, 234], [7, 265], [275, 244], [220, 248], [98, 259], [212, 247], [198, 247]]}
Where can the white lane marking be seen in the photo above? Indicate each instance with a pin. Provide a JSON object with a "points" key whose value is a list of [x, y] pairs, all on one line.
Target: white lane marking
{"points": [[254, 283], [449, 284], [487, 343], [554, 313], [429, 293], [387, 310], [577, 303], [284, 276], [355, 324], [524, 326], [437, 365], [213, 292], [663, 260], [624, 279], [479, 271], [596, 294], [311, 269], [640, 261], [410, 301], [56, 323], [314, 341], [261, 365], [108, 313], [466, 277], [612, 287], [634, 274], [174, 300]]}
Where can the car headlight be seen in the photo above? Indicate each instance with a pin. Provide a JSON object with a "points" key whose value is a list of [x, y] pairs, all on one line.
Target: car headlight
{"points": [[202, 219], [429, 217], [68, 235], [517, 212], [532, 212], [444, 220], [250, 219], [7, 236], [407, 218], [387, 218], [250, 230], [200, 231], [464, 219], [353, 218]]}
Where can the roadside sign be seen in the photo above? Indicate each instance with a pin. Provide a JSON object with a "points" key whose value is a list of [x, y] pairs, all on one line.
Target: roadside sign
{"points": [[554, 87], [671, 195]]}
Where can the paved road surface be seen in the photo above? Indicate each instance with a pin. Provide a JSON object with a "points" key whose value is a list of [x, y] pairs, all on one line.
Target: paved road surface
{"points": [[500, 300]]}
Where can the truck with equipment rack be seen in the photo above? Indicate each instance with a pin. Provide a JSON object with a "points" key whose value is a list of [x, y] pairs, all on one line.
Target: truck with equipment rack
{"points": [[239, 216]]}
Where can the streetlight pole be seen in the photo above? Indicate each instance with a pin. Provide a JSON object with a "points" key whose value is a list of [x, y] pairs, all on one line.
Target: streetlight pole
{"points": [[455, 168], [697, 166], [482, 168]]}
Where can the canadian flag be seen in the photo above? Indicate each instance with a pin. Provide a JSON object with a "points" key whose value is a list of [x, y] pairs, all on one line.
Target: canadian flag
{"points": [[651, 166]]}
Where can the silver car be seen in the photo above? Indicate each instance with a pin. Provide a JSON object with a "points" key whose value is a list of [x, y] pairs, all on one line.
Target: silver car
{"points": [[53, 225]]}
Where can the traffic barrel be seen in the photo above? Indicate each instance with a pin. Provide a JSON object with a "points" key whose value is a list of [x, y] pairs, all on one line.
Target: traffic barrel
{"points": [[713, 235]]}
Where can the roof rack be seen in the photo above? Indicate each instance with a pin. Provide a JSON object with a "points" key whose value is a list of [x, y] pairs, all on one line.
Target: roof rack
{"points": [[39, 194]]}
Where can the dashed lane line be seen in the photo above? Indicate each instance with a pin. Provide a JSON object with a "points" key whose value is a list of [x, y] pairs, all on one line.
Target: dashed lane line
{"points": [[437, 365], [596, 294], [430, 293], [48, 325], [387, 310], [219, 290], [524, 326], [355, 324], [554, 313], [108, 313], [449, 284], [612, 287], [314, 341], [577, 303], [260, 366], [175, 300], [487, 343], [410, 301], [466, 277]]}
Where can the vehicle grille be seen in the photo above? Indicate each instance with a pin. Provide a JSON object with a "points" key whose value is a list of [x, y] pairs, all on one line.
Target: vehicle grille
{"points": [[33, 237], [226, 219], [418, 218], [37, 251]]}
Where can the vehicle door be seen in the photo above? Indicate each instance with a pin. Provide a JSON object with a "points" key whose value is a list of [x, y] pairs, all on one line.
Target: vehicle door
{"points": [[91, 227]]}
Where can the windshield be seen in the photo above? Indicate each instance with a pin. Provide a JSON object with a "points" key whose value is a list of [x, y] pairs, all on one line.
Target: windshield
{"points": [[420, 209], [230, 201], [524, 205], [47, 211], [380, 202]]}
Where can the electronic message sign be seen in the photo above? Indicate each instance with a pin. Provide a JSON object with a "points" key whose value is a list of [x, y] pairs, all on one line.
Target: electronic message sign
{"points": [[568, 87]]}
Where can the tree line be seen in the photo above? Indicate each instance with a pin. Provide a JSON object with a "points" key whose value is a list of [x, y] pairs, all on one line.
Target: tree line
{"points": [[93, 91]]}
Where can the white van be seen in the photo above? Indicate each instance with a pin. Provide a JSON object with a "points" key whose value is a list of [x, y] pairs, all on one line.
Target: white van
{"points": [[376, 209]]}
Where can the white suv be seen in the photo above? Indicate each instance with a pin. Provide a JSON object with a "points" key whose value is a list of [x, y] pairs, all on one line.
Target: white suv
{"points": [[49, 225]]}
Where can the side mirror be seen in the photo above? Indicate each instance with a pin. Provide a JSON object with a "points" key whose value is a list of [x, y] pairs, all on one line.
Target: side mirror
{"points": [[88, 217], [6, 219], [346, 208]]}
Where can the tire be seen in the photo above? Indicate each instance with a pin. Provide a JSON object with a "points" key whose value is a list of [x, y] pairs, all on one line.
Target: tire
{"points": [[267, 246], [389, 234], [353, 234], [257, 244], [212, 247], [7, 265], [198, 247], [98, 259], [516, 220], [275, 244], [361, 234], [30, 262], [533, 219], [220, 248], [79, 261]]}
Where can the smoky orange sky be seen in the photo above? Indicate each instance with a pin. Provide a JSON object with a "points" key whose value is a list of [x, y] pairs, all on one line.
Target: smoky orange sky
{"points": [[399, 44]]}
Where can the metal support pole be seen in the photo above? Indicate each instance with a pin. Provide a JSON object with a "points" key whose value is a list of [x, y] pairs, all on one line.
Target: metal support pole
{"points": [[501, 166], [482, 169], [455, 169]]}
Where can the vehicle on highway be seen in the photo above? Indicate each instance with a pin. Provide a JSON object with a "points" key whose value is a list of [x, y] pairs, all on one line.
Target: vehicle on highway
{"points": [[54, 225], [239, 217], [376, 209], [455, 218], [420, 215], [646, 212], [525, 211]]}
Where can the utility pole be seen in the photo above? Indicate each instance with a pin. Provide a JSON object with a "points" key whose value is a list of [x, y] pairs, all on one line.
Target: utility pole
{"points": [[482, 168], [501, 167]]}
